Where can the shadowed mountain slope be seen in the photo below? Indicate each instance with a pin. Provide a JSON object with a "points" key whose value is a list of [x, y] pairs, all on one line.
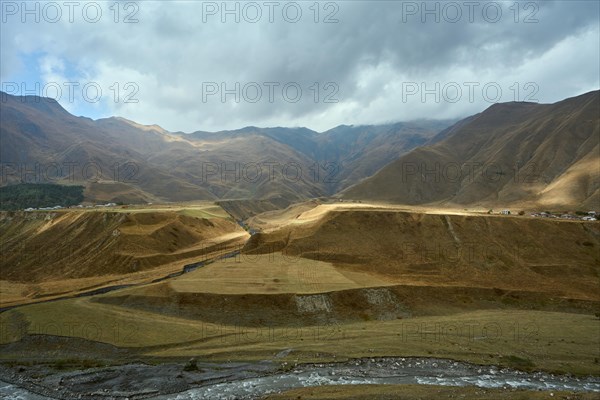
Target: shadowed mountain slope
{"points": [[545, 155]]}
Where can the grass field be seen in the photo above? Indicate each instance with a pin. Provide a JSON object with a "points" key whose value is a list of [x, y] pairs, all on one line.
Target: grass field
{"points": [[272, 273], [281, 299], [196, 209], [552, 341], [54, 254]]}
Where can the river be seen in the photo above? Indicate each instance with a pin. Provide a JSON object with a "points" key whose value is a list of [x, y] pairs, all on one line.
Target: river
{"points": [[389, 370]]}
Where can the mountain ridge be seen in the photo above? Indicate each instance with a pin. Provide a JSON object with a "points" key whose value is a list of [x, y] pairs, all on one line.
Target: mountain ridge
{"points": [[176, 166], [534, 149]]}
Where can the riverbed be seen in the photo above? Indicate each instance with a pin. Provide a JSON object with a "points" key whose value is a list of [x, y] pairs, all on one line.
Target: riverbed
{"points": [[255, 380]]}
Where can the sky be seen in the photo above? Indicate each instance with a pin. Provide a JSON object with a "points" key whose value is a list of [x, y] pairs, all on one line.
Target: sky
{"points": [[210, 66]]}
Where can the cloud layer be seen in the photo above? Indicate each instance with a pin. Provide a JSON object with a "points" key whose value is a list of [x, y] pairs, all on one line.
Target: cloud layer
{"points": [[213, 65]]}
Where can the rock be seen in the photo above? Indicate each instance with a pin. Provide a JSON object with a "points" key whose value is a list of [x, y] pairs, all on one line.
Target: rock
{"points": [[191, 365]]}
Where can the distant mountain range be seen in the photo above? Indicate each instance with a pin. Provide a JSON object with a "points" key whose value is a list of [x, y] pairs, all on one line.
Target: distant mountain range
{"points": [[542, 155], [527, 154], [120, 160]]}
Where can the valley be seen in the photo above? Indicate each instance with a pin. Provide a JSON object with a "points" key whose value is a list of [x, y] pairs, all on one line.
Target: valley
{"points": [[359, 200], [316, 283], [197, 280]]}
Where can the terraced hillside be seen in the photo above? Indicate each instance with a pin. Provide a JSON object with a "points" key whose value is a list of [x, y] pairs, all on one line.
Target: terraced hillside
{"points": [[336, 281], [46, 254], [349, 263], [322, 282], [429, 249]]}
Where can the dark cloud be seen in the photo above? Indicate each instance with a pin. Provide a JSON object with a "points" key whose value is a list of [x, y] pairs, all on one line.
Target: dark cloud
{"points": [[367, 58]]}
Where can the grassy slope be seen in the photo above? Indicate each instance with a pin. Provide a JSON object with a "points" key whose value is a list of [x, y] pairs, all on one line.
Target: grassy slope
{"points": [[430, 249], [49, 254], [554, 148], [246, 310], [560, 342]]}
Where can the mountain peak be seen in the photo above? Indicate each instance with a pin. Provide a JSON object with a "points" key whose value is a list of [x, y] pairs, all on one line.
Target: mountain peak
{"points": [[39, 103], [552, 145], [153, 127]]}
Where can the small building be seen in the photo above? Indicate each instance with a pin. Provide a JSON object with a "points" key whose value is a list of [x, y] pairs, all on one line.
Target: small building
{"points": [[505, 212], [568, 216]]}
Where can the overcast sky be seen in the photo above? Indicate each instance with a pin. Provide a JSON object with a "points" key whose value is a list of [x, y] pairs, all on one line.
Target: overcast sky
{"points": [[195, 66]]}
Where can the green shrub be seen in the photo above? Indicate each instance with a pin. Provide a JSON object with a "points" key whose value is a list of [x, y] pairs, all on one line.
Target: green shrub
{"points": [[36, 195]]}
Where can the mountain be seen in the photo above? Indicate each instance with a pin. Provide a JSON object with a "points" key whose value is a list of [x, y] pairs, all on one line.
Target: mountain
{"points": [[42, 143], [121, 160], [526, 154], [360, 151]]}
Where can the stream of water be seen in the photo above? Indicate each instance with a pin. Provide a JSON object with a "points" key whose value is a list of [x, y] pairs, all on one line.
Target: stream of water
{"points": [[425, 371]]}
